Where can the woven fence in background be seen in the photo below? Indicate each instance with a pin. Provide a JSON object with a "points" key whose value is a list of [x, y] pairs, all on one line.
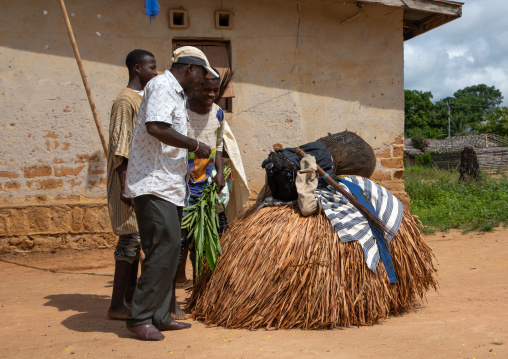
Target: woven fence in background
{"points": [[491, 159]]}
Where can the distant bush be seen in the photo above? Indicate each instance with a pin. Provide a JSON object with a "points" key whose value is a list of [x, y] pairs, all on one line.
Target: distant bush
{"points": [[425, 160], [419, 143]]}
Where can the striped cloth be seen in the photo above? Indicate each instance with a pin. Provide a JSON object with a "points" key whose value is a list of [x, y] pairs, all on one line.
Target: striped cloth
{"points": [[124, 115], [349, 223]]}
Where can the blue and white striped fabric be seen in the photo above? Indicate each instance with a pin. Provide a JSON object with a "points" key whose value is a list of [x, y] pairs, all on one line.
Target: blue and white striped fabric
{"points": [[351, 225], [348, 222]]}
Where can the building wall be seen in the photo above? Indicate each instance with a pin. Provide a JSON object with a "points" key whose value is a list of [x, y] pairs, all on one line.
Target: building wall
{"points": [[301, 71]]}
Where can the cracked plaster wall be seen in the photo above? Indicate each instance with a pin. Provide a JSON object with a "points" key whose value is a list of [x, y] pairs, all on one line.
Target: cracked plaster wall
{"points": [[302, 69]]}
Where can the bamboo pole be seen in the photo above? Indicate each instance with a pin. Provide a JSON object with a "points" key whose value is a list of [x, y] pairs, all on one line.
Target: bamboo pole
{"points": [[83, 77]]}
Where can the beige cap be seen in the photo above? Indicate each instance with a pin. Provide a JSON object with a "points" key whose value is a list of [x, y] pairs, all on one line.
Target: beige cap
{"points": [[193, 55]]}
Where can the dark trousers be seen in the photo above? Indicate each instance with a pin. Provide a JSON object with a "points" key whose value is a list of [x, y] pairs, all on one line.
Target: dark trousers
{"points": [[159, 228]]}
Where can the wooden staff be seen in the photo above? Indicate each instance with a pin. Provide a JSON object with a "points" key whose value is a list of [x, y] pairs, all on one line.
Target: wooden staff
{"points": [[372, 218], [83, 77]]}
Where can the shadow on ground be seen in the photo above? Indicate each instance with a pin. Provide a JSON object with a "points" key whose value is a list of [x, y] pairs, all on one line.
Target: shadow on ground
{"points": [[92, 313]]}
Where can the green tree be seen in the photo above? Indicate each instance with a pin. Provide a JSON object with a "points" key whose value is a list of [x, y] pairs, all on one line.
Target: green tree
{"points": [[496, 122], [469, 106], [419, 115], [459, 125], [478, 100], [441, 113]]}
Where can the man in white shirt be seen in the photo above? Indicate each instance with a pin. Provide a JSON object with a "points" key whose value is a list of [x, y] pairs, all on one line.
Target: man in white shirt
{"points": [[157, 178]]}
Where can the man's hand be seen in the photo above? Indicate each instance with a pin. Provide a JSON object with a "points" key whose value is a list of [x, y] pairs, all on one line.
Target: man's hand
{"points": [[219, 166], [121, 170], [192, 176], [127, 200], [220, 181], [203, 151], [169, 136]]}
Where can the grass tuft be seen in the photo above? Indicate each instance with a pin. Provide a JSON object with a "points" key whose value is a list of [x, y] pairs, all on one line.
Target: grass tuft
{"points": [[442, 202]]}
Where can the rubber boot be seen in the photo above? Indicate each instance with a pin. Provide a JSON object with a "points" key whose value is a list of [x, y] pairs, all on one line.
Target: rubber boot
{"points": [[131, 282], [118, 309]]}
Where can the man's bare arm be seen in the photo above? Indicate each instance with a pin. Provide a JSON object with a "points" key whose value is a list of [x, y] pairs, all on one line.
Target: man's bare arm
{"points": [[122, 176], [169, 136], [219, 177]]}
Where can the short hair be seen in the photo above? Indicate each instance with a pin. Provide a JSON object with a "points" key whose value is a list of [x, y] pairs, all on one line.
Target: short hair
{"points": [[136, 57], [214, 78]]}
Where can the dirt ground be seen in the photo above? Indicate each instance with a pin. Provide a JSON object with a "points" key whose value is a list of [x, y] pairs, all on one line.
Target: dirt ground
{"points": [[53, 305]]}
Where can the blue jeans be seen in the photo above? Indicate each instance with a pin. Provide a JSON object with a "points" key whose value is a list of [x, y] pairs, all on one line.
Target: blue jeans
{"points": [[128, 248]]}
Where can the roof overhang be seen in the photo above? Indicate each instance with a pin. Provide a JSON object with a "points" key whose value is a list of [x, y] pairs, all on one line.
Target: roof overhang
{"points": [[423, 15]]}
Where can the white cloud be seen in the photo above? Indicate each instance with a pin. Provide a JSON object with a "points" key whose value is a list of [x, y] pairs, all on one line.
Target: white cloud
{"points": [[460, 51], [468, 51]]}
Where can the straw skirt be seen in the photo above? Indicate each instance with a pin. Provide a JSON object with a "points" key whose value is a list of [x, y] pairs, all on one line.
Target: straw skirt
{"points": [[282, 270]]}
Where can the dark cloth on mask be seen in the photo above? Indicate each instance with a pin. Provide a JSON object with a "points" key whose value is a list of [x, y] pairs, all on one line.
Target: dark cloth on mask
{"points": [[316, 149]]}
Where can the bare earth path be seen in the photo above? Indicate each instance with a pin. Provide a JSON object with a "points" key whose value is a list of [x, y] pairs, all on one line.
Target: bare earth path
{"points": [[54, 306]]}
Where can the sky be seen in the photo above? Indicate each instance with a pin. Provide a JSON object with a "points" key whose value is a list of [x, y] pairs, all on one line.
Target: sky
{"points": [[470, 50]]}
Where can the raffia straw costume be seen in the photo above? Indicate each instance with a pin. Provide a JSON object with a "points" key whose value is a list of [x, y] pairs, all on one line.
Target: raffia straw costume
{"points": [[284, 270]]}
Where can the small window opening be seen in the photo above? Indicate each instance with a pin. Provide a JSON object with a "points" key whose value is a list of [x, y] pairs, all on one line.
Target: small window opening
{"points": [[178, 18], [223, 19]]}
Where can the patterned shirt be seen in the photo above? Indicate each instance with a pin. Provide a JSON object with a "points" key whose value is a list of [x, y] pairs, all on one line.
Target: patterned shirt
{"points": [[207, 128], [121, 128], [154, 167]]}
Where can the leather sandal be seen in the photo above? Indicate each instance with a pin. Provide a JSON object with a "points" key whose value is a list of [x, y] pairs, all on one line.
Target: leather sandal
{"points": [[147, 332], [174, 325]]}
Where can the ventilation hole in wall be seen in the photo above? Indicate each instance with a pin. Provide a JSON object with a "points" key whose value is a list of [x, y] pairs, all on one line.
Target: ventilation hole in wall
{"points": [[223, 19], [178, 18]]}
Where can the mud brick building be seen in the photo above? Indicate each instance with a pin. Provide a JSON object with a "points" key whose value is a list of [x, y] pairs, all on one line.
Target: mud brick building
{"points": [[303, 68]]}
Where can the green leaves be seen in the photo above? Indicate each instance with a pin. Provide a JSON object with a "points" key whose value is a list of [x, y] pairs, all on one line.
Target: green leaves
{"points": [[469, 108], [496, 122], [203, 224], [420, 115]]}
